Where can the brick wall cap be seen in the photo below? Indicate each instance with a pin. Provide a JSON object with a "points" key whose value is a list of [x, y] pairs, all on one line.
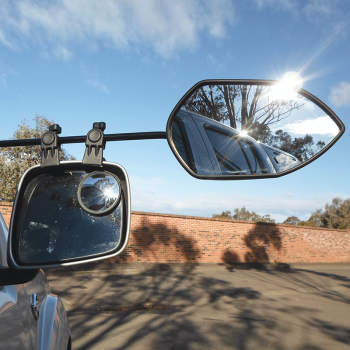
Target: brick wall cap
{"points": [[6, 204], [299, 227]]}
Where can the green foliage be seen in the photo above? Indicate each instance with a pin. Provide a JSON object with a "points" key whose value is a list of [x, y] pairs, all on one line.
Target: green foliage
{"points": [[244, 215], [335, 215], [14, 161], [292, 220]]}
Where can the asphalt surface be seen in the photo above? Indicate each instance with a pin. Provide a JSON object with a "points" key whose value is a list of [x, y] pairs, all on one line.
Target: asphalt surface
{"points": [[147, 306]]}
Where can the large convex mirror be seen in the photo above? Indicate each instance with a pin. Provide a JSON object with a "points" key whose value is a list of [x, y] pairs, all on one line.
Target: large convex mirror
{"points": [[247, 130], [70, 215]]}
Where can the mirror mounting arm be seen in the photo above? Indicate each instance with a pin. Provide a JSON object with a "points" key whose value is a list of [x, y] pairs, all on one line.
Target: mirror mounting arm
{"points": [[50, 146], [95, 144]]}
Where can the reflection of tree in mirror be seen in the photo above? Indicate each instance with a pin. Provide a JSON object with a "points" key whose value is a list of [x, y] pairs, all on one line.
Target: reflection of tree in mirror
{"points": [[244, 105], [254, 109], [302, 148]]}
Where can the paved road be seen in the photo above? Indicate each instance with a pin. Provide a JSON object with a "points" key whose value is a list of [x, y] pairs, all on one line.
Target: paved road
{"points": [[207, 307]]}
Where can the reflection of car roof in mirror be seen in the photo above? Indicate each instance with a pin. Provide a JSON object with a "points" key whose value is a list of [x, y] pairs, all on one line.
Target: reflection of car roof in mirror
{"points": [[210, 147], [281, 160]]}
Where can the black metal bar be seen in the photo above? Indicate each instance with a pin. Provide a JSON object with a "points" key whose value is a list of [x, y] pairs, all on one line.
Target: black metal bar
{"points": [[153, 135]]}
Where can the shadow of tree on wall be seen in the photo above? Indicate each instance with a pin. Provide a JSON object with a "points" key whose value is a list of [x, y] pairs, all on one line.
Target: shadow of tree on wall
{"points": [[259, 240], [152, 238]]}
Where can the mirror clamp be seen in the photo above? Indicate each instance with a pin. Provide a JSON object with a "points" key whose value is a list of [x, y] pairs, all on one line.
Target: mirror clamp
{"points": [[95, 144], [50, 146]]}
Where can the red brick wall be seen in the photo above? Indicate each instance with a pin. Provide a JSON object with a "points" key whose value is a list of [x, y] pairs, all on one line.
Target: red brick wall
{"points": [[175, 238], [6, 210]]}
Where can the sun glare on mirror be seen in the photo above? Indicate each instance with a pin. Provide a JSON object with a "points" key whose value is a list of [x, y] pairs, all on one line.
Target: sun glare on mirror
{"points": [[286, 88], [243, 133], [109, 193]]}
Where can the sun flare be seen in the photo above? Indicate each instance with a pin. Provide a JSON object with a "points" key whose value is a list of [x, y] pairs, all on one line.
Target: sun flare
{"points": [[286, 88], [109, 193]]}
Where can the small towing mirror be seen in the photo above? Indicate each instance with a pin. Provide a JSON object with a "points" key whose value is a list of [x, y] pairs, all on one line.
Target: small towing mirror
{"points": [[70, 212]]}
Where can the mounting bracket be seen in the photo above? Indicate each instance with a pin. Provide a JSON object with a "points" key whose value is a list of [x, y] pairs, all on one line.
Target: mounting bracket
{"points": [[50, 146], [95, 144]]}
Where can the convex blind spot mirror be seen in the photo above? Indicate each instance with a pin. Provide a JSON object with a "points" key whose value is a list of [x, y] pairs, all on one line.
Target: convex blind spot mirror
{"points": [[70, 214], [99, 192], [244, 129]]}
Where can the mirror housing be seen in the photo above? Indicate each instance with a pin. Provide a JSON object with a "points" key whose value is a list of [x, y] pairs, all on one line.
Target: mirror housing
{"points": [[69, 214], [249, 129]]}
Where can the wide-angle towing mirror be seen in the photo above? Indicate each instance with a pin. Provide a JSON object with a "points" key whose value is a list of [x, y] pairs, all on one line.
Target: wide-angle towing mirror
{"points": [[68, 214], [245, 129]]}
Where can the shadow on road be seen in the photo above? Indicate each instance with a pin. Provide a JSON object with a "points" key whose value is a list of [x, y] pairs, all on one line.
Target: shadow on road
{"points": [[187, 309]]}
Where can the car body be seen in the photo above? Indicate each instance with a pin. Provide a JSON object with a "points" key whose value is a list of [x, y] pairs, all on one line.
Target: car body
{"points": [[31, 317]]}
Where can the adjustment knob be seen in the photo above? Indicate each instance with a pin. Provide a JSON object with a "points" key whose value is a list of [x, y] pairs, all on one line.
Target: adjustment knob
{"points": [[99, 125], [55, 128]]}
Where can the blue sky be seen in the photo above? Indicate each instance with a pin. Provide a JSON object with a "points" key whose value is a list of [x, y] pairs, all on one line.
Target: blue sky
{"points": [[128, 63]]}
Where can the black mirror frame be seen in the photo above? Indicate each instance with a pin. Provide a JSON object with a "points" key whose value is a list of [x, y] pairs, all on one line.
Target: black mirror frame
{"points": [[18, 213], [302, 92]]}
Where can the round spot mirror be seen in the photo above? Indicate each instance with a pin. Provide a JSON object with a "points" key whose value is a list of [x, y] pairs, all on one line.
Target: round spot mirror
{"points": [[99, 192]]}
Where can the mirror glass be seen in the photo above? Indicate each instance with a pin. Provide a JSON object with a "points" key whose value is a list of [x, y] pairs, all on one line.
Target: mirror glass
{"points": [[249, 129], [55, 226], [99, 192]]}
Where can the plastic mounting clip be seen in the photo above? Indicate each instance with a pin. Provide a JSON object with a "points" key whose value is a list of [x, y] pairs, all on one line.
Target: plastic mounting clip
{"points": [[50, 146], [95, 144]]}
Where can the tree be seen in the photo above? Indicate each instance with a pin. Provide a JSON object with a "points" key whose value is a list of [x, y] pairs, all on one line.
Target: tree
{"points": [[292, 220], [335, 215], [14, 161], [244, 215], [223, 215]]}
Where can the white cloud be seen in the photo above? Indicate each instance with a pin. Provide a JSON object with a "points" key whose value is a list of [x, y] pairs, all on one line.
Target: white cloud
{"points": [[166, 27], [97, 84], [63, 53], [279, 4], [320, 126], [340, 95], [317, 7], [92, 77], [216, 63], [146, 197], [287, 193]]}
